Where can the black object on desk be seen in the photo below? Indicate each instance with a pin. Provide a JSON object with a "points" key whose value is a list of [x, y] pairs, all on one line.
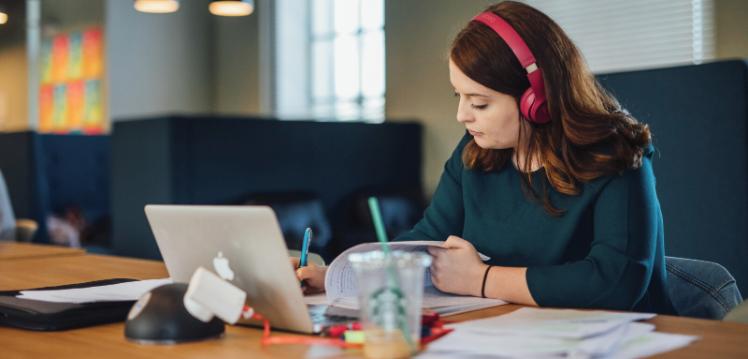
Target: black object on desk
{"points": [[49, 316], [159, 317]]}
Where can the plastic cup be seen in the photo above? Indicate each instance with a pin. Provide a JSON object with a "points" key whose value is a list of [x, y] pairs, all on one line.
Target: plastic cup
{"points": [[390, 298]]}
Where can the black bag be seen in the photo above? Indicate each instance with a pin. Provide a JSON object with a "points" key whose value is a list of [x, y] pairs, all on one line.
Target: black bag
{"points": [[48, 316]]}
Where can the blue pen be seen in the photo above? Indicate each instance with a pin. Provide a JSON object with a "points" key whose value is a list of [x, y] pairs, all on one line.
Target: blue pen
{"points": [[305, 250], [305, 247]]}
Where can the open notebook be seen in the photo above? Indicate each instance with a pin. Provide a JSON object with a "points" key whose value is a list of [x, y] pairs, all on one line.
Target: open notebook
{"points": [[342, 289]]}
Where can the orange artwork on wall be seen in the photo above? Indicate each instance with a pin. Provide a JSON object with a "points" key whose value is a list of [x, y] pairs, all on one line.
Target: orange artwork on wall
{"points": [[70, 94]]}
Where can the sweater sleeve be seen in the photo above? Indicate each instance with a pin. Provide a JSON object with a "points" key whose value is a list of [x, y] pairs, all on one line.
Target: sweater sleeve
{"points": [[445, 214], [618, 268]]}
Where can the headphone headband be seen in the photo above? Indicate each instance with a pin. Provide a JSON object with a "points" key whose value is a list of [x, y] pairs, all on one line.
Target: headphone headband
{"points": [[510, 36], [526, 58]]}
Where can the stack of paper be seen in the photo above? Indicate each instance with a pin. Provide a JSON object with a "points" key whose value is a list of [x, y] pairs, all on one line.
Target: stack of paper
{"points": [[105, 293], [531, 332]]}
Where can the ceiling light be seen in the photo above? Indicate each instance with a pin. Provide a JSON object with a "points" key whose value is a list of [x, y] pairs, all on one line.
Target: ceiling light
{"points": [[157, 6], [3, 15], [231, 7]]}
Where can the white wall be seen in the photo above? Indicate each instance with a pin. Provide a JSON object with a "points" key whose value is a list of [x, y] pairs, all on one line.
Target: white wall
{"points": [[418, 36], [731, 17], [292, 19], [185, 62], [236, 87], [159, 63]]}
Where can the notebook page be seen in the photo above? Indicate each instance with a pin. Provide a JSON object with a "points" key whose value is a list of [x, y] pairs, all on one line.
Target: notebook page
{"points": [[340, 280]]}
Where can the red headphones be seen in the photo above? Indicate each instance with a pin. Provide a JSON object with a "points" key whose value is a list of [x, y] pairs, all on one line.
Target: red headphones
{"points": [[532, 104]]}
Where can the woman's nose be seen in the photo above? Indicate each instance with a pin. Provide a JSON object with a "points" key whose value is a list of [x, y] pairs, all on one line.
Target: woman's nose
{"points": [[463, 114]]}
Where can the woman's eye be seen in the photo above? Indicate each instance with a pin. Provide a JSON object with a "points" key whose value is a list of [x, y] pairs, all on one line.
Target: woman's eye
{"points": [[479, 107]]}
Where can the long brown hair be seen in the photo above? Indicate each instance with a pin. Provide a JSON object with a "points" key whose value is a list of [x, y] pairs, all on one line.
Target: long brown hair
{"points": [[589, 135]]}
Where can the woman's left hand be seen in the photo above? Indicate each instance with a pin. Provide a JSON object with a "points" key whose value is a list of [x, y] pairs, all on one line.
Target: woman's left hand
{"points": [[457, 267]]}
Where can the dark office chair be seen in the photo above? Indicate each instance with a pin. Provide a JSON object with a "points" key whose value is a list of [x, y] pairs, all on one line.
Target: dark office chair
{"points": [[701, 289], [296, 212], [10, 228]]}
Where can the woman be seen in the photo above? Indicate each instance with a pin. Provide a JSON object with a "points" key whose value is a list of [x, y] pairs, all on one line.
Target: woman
{"points": [[553, 180]]}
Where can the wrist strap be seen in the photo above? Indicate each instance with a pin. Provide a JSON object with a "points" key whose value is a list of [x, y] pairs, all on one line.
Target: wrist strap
{"points": [[483, 286]]}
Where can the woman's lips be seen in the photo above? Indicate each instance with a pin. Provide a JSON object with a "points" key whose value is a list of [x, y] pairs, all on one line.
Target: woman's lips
{"points": [[474, 133]]}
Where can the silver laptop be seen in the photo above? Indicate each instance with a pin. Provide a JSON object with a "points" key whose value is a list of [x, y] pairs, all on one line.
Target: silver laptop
{"points": [[242, 244]]}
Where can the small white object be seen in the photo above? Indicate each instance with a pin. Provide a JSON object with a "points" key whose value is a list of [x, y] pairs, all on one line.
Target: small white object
{"points": [[209, 295], [531, 68]]}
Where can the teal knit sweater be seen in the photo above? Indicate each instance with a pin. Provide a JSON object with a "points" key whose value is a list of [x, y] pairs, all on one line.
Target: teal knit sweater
{"points": [[606, 251]]}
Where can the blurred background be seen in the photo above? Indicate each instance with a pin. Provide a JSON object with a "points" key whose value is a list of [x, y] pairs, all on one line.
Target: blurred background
{"points": [[310, 106]]}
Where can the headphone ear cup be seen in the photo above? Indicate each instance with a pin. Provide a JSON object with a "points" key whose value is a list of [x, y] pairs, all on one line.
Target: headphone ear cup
{"points": [[540, 112], [534, 111], [525, 104]]}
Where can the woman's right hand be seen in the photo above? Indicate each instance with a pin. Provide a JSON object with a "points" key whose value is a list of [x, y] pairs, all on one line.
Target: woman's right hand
{"points": [[312, 275]]}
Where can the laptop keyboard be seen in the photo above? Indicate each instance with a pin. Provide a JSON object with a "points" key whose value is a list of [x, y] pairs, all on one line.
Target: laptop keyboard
{"points": [[320, 315]]}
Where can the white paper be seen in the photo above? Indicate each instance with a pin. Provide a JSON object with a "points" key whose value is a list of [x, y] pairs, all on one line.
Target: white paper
{"points": [[462, 342], [609, 341], [535, 333], [651, 344], [105, 293], [631, 340], [342, 290], [562, 323]]}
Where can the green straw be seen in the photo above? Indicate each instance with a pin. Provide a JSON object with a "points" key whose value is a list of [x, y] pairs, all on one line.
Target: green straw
{"points": [[379, 225], [376, 217]]}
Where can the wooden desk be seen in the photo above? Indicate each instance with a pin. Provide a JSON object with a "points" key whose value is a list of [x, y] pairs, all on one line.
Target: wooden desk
{"points": [[718, 339], [15, 250]]}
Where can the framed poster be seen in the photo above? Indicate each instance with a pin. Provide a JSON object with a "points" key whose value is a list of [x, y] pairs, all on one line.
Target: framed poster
{"points": [[71, 90]]}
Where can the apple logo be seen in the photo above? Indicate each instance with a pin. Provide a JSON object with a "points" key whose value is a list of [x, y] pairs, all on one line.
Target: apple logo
{"points": [[221, 265]]}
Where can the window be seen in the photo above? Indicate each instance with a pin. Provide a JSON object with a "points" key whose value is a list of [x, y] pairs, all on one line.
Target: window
{"points": [[636, 34], [331, 66]]}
